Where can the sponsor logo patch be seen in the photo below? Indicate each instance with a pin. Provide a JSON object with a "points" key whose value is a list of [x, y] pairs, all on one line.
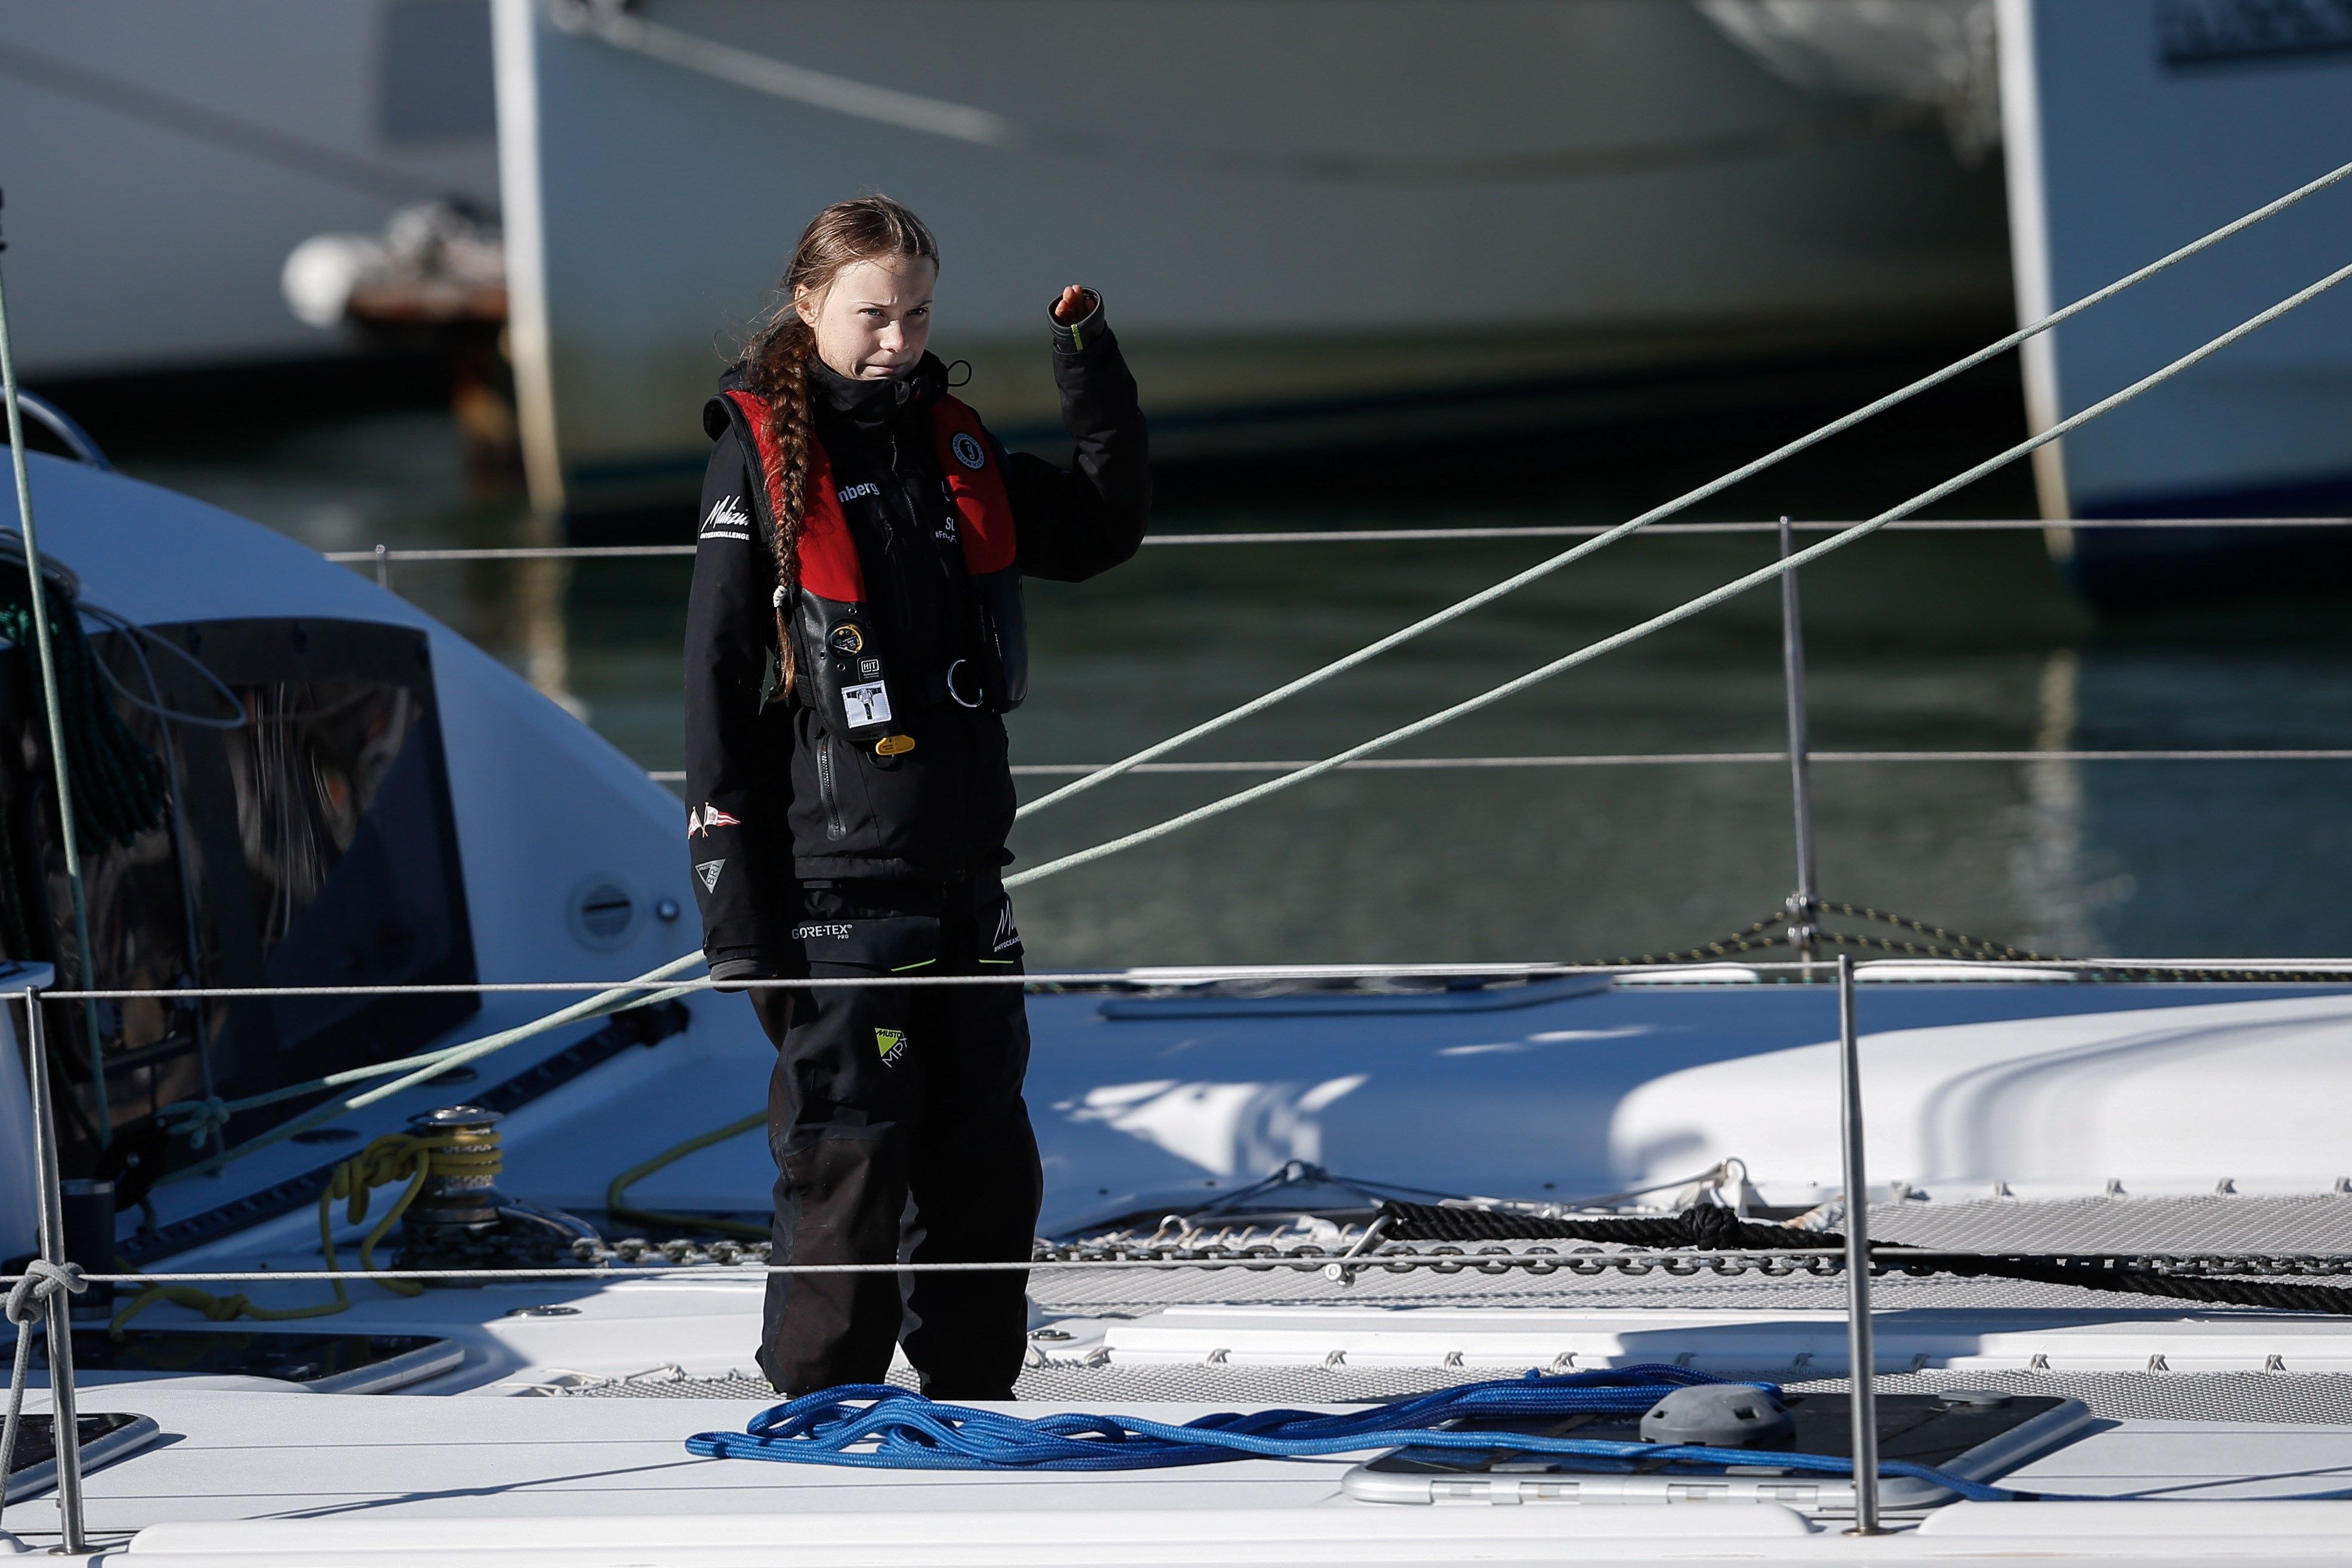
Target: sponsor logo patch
{"points": [[727, 520], [891, 1043], [708, 871], [803, 933], [967, 450], [867, 704], [700, 822], [857, 492], [844, 639]]}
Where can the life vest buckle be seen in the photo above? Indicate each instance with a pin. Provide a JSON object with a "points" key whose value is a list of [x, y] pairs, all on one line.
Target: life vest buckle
{"points": [[963, 701]]}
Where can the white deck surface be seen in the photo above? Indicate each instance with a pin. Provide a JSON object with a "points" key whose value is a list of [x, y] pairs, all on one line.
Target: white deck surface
{"points": [[392, 1479]]}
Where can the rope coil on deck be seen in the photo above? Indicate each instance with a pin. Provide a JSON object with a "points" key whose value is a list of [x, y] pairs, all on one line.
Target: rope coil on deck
{"points": [[884, 1426], [411, 1158]]}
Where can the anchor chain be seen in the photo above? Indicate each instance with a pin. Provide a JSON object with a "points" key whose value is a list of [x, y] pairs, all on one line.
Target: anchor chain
{"points": [[1780, 929]]}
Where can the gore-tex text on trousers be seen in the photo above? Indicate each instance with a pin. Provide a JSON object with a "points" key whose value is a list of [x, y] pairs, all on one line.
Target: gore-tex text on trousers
{"points": [[899, 1131]]}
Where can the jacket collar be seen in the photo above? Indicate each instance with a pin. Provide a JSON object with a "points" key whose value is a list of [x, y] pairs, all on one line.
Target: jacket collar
{"points": [[872, 405]]}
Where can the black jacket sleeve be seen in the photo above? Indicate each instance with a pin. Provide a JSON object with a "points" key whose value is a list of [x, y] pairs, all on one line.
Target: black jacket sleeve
{"points": [[737, 796], [1073, 524]]}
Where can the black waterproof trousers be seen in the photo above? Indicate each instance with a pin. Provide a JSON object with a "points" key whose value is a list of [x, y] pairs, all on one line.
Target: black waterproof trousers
{"points": [[896, 1119]]}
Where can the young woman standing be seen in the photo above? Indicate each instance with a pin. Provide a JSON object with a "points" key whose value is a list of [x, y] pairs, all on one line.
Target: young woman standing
{"points": [[853, 637]]}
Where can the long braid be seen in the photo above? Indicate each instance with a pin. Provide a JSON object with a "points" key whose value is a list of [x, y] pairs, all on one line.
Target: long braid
{"points": [[783, 381], [777, 361]]}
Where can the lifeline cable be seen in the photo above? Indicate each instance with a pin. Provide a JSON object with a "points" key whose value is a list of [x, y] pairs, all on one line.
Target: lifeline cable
{"points": [[1714, 486], [384, 554], [1681, 612]]}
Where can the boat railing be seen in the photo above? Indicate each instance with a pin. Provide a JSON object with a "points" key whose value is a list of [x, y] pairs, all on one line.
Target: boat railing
{"points": [[383, 557], [42, 1294], [1804, 905]]}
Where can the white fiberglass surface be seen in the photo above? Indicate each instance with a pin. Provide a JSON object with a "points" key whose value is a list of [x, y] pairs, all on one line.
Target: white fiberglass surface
{"points": [[155, 555], [2053, 1088], [2176, 1099], [1614, 1090]]}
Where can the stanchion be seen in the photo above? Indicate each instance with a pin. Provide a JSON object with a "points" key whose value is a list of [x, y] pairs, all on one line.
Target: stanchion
{"points": [[1805, 904], [65, 1426], [1860, 1353]]}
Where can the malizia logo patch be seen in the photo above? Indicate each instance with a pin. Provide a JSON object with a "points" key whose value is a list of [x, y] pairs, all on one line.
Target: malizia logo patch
{"points": [[891, 1043], [967, 450], [727, 520]]}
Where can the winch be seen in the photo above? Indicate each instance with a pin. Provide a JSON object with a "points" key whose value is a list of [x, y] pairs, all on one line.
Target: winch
{"points": [[460, 1218]]}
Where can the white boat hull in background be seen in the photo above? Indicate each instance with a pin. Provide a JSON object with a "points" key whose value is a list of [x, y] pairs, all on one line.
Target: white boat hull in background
{"points": [[168, 155], [1167, 152], [2133, 127]]}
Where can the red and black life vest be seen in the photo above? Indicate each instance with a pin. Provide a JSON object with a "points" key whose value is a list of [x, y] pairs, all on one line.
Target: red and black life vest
{"points": [[845, 673]]}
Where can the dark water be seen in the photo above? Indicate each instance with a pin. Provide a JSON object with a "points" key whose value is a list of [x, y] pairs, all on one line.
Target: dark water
{"points": [[1917, 642]]}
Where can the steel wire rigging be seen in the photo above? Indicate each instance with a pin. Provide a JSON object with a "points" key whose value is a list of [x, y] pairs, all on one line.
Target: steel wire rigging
{"points": [[632, 994], [1716, 486], [1680, 612]]}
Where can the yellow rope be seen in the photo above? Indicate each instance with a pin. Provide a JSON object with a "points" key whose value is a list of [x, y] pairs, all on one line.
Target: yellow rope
{"points": [[410, 1158], [616, 1194]]}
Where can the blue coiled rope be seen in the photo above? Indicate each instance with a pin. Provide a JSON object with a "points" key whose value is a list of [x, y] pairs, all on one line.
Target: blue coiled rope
{"points": [[879, 1426]]}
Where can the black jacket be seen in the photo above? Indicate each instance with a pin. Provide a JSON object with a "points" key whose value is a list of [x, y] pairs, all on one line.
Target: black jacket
{"points": [[772, 798]]}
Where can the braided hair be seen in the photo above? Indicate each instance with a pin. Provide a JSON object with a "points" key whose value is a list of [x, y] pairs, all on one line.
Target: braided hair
{"points": [[777, 361]]}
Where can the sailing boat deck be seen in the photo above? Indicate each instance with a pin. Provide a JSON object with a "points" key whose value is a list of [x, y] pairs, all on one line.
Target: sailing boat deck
{"points": [[252, 1476]]}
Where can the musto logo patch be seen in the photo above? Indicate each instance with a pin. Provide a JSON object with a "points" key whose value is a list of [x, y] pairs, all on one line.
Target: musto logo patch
{"points": [[891, 1043]]}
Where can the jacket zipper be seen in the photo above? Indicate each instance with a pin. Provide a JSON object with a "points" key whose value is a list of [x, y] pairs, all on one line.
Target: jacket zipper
{"points": [[824, 786], [917, 548]]}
